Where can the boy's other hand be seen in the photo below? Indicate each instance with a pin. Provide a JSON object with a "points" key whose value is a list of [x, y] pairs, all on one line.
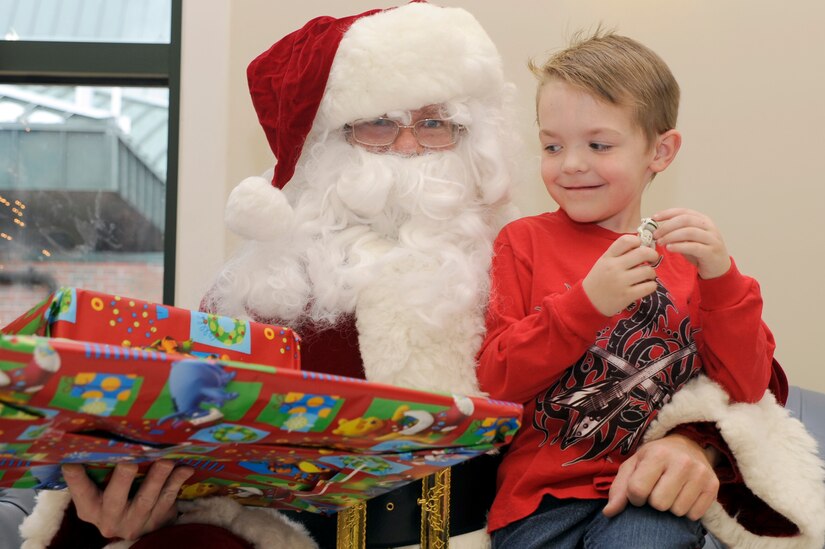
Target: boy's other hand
{"points": [[670, 474], [622, 275], [695, 236], [114, 514]]}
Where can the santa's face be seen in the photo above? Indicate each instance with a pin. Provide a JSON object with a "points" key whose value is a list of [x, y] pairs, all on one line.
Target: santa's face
{"points": [[384, 190], [405, 133], [355, 208]]}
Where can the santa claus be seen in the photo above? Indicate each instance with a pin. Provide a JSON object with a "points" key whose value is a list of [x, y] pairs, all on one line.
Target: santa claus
{"points": [[372, 238], [392, 179]]}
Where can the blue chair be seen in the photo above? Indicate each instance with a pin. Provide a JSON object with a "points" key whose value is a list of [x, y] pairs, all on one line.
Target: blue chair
{"points": [[15, 505], [809, 408]]}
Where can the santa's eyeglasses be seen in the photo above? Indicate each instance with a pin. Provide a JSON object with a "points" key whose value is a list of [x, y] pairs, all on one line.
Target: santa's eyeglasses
{"points": [[432, 133]]}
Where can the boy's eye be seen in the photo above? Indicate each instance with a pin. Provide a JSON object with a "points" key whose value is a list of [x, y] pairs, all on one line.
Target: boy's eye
{"points": [[599, 147], [552, 148]]}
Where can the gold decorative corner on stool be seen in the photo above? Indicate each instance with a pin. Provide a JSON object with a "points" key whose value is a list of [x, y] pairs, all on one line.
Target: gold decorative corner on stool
{"points": [[435, 511], [435, 517], [352, 527]]}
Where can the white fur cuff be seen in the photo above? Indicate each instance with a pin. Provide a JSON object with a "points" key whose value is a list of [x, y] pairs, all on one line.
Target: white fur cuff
{"points": [[775, 454], [39, 528]]}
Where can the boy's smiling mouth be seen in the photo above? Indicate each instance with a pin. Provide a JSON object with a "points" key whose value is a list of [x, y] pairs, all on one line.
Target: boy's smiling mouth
{"points": [[582, 187]]}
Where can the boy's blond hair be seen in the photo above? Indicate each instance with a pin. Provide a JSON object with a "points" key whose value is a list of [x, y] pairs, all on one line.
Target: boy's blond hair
{"points": [[620, 71]]}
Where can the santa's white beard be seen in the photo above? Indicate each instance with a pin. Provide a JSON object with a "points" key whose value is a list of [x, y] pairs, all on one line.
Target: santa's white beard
{"points": [[354, 212]]}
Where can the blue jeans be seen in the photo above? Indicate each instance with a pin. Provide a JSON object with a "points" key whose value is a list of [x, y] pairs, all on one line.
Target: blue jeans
{"points": [[580, 524]]}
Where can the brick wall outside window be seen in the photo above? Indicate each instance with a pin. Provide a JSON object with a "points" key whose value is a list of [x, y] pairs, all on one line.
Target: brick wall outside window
{"points": [[138, 280]]}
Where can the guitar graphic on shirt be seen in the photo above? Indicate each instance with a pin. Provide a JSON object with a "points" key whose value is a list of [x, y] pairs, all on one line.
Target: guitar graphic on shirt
{"points": [[596, 404]]}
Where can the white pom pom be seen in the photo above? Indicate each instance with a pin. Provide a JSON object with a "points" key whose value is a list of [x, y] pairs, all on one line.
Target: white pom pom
{"points": [[258, 211]]}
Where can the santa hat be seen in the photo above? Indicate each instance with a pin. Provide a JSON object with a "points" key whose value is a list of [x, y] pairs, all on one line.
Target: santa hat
{"points": [[333, 71]]}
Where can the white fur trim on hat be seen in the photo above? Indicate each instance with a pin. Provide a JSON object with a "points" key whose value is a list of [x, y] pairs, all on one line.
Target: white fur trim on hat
{"points": [[409, 57], [775, 454], [258, 211]]}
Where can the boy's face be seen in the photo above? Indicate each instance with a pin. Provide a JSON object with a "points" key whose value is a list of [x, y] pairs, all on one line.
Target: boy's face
{"points": [[596, 161]]}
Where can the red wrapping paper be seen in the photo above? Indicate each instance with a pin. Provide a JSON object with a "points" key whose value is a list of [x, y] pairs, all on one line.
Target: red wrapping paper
{"points": [[262, 434]]}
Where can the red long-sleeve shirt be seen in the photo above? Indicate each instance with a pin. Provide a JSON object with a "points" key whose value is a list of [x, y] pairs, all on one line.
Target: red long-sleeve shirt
{"points": [[591, 384]]}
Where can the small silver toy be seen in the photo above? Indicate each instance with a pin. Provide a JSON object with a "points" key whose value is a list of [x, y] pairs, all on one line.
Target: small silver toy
{"points": [[645, 231]]}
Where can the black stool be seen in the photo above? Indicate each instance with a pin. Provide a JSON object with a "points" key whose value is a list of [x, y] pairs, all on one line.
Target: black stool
{"points": [[394, 518]]}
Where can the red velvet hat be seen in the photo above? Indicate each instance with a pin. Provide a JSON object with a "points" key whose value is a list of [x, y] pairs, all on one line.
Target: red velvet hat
{"points": [[287, 83]]}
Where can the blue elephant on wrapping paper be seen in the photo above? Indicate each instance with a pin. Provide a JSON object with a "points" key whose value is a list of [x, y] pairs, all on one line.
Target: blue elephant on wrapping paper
{"points": [[193, 383], [49, 477]]}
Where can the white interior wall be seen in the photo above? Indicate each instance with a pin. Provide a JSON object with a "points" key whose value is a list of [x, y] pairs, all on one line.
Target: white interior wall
{"points": [[203, 148], [753, 109]]}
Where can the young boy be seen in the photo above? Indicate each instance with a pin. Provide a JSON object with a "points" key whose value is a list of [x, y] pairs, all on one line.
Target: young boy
{"points": [[594, 331]]}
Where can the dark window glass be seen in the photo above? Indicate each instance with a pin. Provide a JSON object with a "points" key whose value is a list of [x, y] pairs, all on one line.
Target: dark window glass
{"points": [[88, 138]]}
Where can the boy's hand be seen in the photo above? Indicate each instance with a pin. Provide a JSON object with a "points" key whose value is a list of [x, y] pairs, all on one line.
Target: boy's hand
{"points": [[695, 236], [622, 275], [670, 474]]}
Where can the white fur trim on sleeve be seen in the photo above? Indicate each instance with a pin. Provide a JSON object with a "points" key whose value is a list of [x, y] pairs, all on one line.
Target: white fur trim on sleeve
{"points": [[39, 528], [776, 456]]}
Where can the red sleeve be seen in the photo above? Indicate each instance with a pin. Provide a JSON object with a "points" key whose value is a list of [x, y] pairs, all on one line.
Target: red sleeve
{"points": [[707, 435], [73, 531], [735, 344], [525, 348]]}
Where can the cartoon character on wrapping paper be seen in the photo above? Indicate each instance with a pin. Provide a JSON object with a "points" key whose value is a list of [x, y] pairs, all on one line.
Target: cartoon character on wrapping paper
{"points": [[193, 383], [44, 363], [406, 424]]}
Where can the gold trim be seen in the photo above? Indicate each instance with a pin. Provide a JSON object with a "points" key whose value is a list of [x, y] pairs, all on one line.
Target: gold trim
{"points": [[352, 527], [435, 510]]}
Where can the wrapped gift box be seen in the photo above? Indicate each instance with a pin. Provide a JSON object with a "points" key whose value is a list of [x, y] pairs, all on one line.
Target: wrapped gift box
{"points": [[85, 315], [264, 435]]}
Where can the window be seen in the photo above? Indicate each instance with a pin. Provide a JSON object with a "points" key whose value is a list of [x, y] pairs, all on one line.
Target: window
{"points": [[89, 94], [131, 21]]}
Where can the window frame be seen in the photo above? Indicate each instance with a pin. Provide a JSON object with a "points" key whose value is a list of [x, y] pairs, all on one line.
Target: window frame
{"points": [[113, 64]]}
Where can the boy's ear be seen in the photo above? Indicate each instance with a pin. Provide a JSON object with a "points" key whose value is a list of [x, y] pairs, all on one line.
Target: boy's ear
{"points": [[665, 149]]}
